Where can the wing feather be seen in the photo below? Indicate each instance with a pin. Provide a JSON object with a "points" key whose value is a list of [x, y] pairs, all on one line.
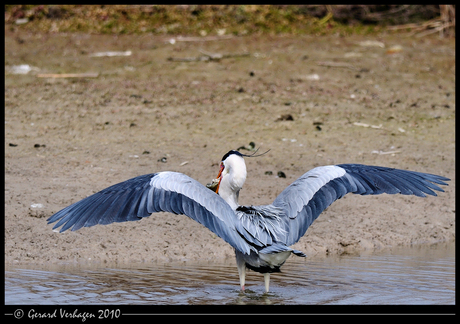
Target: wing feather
{"points": [[139, 197], [307, 197]]}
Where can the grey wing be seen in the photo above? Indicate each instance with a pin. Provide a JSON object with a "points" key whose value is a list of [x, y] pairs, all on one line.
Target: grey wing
{"points": [[141, 196], [306, 198]]}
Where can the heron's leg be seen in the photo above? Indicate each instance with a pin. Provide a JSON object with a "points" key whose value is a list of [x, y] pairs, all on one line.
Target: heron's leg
{"points": [[241, 265], [242, 274], [267, 281]]}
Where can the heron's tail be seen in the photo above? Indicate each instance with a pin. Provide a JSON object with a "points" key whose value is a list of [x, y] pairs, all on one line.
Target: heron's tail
{"points": [[278, 247], [299, 253]]}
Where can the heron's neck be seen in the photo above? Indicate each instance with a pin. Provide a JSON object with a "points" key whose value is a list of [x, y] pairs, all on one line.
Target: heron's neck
{"points": [[230, 186], [231, 198]]}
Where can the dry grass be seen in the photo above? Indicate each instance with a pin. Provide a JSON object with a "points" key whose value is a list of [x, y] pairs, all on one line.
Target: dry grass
{"points": [[445, 24], [202, 20]]}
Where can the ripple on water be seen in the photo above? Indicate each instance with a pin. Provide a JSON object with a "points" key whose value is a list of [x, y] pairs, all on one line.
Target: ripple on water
{"points": [[421, 275]]}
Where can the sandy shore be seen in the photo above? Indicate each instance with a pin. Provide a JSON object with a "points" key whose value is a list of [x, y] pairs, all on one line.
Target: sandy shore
{"points": [[66, 138]]}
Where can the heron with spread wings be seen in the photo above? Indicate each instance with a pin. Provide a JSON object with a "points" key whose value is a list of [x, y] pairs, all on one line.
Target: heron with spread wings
{"points": [[261, 235]]}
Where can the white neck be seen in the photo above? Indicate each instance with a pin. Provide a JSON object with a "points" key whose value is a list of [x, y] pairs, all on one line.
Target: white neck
{"points": [[233, 178]]}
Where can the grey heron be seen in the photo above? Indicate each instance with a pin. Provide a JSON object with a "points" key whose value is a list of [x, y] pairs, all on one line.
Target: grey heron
{"points": [[260, 235]]}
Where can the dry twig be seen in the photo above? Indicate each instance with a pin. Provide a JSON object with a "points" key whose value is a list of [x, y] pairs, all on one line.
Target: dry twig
{"points": [[442, 24], [207, 56], [198, 39], [68, 75], [338, 64]]}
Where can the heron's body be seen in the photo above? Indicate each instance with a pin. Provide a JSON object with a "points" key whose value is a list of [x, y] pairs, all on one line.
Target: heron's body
{"points": [[260, 235]]}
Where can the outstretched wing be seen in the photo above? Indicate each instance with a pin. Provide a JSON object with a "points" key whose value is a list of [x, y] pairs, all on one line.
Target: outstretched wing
{"points": [[139, 197], [309, 195]]}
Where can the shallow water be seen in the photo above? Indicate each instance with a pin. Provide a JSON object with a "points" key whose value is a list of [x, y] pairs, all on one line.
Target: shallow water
{"points": [[417, 275]]}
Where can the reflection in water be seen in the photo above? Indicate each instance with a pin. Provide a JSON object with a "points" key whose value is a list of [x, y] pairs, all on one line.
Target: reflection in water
{"points": [[421, 275]]}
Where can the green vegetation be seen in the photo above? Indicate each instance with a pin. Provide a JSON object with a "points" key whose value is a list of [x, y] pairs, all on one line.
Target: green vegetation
{"points": [[212, 19]]}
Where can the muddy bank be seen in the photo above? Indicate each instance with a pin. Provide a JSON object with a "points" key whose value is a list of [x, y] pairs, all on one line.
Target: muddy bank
{"points": [[66, 138]]}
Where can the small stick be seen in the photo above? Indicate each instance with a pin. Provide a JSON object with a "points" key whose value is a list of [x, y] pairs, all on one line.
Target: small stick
{"points": [[68, 75], [207, 56], [199, 39], [383, 153], [337, 64]]}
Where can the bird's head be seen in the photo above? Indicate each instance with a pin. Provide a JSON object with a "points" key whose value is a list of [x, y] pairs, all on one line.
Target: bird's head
{"points": [[231, 177], [232, 173]]}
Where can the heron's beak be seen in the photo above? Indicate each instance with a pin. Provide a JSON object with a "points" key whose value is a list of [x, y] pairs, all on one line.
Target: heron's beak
{"points": [[214, 185], [219, 176]]}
